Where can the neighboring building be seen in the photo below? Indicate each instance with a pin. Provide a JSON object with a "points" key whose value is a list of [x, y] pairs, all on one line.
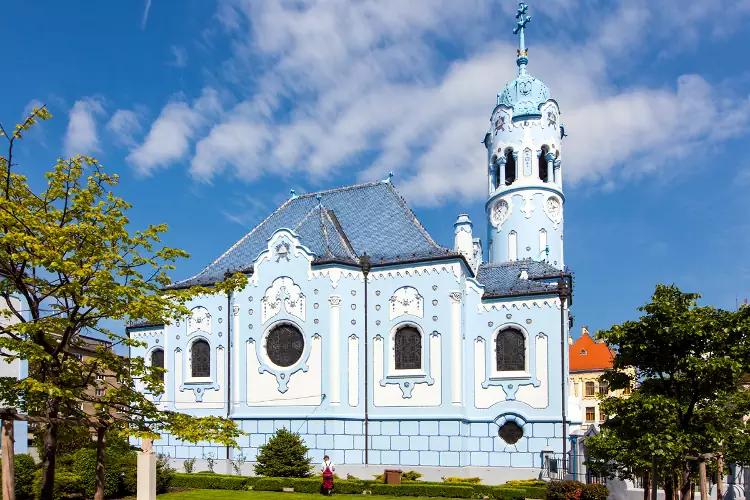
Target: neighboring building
{"points": [[378, 345], [84, 351], [17, 368], [589, 360]]}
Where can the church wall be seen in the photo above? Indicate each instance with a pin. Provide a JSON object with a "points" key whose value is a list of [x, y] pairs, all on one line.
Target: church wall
{"points": [[446, 413]]}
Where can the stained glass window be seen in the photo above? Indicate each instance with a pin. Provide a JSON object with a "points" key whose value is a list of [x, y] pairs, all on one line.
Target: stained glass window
{"points": [[157, 360], [510, 350], [408, 347], [201, 359], [284, 345], [510, 432]]}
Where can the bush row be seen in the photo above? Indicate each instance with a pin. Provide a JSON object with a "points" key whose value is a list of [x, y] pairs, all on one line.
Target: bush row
{"points": [[407, 489], [575, 490]]}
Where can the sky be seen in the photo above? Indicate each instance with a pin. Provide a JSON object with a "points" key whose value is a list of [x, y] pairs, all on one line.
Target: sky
{"points": [[212, 111]]}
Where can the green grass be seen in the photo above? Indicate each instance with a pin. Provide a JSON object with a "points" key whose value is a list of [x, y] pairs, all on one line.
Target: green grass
{"points": [[261, 495]]}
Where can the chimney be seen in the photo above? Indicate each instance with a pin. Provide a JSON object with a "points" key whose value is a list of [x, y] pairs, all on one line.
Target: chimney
{"points": [[524, 271], [463, 239]]}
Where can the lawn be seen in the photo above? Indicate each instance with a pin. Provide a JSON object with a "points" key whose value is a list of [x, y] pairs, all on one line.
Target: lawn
{"points": [[259, 495]]}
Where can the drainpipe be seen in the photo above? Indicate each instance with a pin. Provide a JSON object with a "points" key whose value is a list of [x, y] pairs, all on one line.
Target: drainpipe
{"points": [[366, 266], [229, 357], [563, 291]]}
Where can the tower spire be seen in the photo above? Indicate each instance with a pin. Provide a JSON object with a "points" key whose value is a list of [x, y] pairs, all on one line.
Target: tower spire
{"points": [[523, 52]]}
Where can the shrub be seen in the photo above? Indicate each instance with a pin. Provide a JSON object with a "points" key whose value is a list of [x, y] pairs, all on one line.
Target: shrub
{"points": [[564, 490], [84, 465], [210, 461], [303, 485], [467, 480], [67, 485], [506, 493], [594, 492], [25, 473], [164, 473], [238, 462], [285, 455], [349, 487], [268, 484], [405, 477], [209, 482], [536, 492], [189, 465], [423, 490], [525, 482]]}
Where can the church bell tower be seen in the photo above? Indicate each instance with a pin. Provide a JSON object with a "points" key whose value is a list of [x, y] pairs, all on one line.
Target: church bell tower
{"points": [[524, 209]]}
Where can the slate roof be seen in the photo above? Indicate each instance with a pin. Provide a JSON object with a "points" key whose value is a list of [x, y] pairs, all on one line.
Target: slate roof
{"points": [[337, 225], [502, 280]]}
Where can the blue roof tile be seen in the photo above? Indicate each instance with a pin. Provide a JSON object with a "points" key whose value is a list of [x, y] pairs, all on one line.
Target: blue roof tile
{"points": [[505, 279], [340, 224]]}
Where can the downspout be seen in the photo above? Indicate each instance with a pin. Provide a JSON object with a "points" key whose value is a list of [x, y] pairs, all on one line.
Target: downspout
{"points": [[229, 358], [366, 266], [563, 291]]}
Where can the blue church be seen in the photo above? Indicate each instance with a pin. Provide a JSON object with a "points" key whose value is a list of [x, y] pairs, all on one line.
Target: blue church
{"points": [[377, 344]]}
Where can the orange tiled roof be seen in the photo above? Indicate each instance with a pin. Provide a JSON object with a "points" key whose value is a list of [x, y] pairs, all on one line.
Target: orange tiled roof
{"points": [[587, 355]]}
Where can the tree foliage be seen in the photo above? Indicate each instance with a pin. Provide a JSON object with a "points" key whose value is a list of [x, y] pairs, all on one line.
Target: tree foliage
{"points": [[689, 362], [69, 253], [285, 455]]}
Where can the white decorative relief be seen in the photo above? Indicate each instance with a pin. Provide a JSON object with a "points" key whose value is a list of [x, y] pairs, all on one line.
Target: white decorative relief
{"points": [[537, 397], [422, 395], [335, 367], [528, 205], [199, 321], [500, 212], [484, 398], [527, 162], [335, 274], [146, 333], [353, 371], [303, 389], [519, 305], [283, 292], [553, 209], [406, 300], [409, 272]]}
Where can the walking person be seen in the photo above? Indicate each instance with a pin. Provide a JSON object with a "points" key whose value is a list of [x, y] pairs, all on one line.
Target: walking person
{"points": [[327, 468]]}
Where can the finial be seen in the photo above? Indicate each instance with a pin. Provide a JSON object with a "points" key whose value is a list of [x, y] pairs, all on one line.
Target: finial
{"points": [[523, 52], [319, 197], [388, 180], [293, 193]]}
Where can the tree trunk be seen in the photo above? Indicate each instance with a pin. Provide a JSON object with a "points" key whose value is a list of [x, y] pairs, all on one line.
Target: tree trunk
{"points": [[703, 481], [685, 484], [646, 486], [719, 478], [668, 486], [9, 475], [49, 452], [101, 446]]}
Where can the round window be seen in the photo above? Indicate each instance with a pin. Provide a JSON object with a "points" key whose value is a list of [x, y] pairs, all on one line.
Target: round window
{"points": [[284, 345], [510, 432]]}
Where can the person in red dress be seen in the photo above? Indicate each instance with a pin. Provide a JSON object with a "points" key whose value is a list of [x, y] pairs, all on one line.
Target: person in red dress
{"points": [[328, 468]]}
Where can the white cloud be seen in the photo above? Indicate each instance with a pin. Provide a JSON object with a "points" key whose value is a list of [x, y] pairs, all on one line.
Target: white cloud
{"points": [[180, 56], [337, 81], [81, 136], [170, 136], [34, 103], [146, 10], [124, 125]]}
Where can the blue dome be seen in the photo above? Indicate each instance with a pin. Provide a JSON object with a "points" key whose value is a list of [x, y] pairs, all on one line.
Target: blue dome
{"points": [[525, 95]]}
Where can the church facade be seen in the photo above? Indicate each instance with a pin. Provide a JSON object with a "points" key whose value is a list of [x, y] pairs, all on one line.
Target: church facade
{"points": [[376, 344]]}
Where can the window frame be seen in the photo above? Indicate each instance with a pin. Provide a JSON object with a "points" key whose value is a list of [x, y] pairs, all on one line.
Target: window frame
{"points": [[392, 372], [593, 414], [603, 389], [396, 334], [264, 345], [164, 361], [497, 374], [211, 362], [589, 384]]}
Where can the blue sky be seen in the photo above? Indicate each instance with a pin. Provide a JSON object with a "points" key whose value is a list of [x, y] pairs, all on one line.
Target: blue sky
{"points": [[211, 111]]}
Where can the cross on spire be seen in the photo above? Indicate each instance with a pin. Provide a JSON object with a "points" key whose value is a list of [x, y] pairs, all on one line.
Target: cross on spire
{"points": [[523, 20]]}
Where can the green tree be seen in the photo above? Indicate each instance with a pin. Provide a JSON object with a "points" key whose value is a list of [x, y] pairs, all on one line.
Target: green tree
{"points": [[689, 363], [69, 253], [284, 455]]}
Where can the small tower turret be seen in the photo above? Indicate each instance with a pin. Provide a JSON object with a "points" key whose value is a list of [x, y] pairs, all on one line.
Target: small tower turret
{"points": [[525, 198], [463, 238]]}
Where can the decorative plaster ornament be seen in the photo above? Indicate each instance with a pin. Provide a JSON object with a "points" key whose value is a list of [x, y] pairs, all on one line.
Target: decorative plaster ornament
{"points": [[283, 292], [527, 161], [282, 251], [406, 300], [553, 208], [500, 213]]}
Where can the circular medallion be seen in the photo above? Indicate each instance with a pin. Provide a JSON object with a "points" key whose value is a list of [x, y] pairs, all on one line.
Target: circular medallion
{"points": [[500, 212], [284, 345], [554, 209], [354, 322], [434, 318]]}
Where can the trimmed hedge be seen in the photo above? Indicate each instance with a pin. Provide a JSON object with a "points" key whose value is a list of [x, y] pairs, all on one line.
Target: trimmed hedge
{"points": [[423, 490], [210, 482], [594, 492], [269, 484], [540, 492], [505, 493]]}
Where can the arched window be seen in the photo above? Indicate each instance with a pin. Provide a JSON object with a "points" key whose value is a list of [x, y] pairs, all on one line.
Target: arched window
{"points": [[510, 347], [512, 246], [201, 359], [284, 345], [408, 348], [590, 390], [157, 361], [510, 168], [543, 168]]}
